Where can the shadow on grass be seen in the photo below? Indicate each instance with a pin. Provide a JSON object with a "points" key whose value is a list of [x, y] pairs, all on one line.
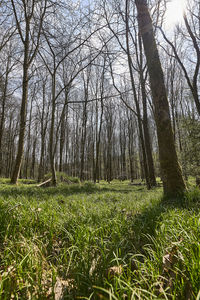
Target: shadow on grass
{"points": [[147, 221], [34, 191], [65, 190], [142, 230], [140, 225]]}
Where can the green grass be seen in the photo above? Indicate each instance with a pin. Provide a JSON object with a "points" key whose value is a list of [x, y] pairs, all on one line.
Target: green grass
{"points": [[63, 177], [104, 241]]}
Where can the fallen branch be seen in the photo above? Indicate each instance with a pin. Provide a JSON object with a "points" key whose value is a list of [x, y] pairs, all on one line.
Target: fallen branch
{"points": [[46, 183]]}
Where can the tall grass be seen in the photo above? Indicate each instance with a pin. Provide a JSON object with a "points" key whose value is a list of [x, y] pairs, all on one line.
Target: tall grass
{"points": [[97, 242]]}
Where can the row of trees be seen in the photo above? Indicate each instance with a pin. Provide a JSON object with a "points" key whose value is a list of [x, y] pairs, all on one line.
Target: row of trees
{"points": [[84, 91]]}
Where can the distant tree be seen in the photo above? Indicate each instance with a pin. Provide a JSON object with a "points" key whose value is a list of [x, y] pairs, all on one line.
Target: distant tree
{"points": [[29, 16]]}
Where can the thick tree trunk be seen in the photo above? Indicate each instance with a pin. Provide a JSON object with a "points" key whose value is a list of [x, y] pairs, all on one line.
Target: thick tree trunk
{"points": [[173, 182]]}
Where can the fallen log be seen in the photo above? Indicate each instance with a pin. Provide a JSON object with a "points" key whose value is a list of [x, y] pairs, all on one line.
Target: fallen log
{"points": [[46, 183]]}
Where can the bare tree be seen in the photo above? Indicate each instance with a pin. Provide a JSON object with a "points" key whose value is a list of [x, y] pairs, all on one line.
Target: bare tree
{"points": [[192, 25], [30, 38]]}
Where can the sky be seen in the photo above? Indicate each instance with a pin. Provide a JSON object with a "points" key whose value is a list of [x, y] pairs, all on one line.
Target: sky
{"points": [[174, 13]]}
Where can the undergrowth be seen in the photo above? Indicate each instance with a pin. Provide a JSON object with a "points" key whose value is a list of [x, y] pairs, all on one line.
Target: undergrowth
{"points": [[104, 241], [62, 177]]}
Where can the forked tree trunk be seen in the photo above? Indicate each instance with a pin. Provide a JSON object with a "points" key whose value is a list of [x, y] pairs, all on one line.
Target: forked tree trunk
{"points": [[173, 182]]}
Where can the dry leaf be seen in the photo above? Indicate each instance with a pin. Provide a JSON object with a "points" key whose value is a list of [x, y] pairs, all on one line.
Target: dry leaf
{"points": [[167, 262], [115, 270], [60, 287]]}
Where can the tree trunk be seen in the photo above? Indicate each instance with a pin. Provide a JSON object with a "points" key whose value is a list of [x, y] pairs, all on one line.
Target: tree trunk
{"points": [[27, 152], [83, 140], [173, 182], [136, 101], [2, 122], [22, 129], [32, 171], [51, 139], [149, 156], [98, 140], [62, 141]]}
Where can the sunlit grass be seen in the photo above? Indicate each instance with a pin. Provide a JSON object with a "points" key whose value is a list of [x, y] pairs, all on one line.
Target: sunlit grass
{"points": [[97, 241]]}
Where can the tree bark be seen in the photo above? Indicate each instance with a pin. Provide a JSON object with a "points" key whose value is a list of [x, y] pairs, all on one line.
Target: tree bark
{"points": [[146, 171], [43, 129], [18, 161], [2, 121], [51, 138], [173, 182], [149, 156]]}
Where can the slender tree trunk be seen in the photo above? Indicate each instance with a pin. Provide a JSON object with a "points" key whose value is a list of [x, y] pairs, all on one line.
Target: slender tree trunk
{"points": [[43, 129], [32, 172], [131, 159], [136, 101], [27, 152], [62, 141], [63, 124], [149, 156], [147, 139], [51, 139], [173, 182], [41, 164], [2, 121], [84, 124], [83, 140], [131, 147], [23, 111], [96, 173]]}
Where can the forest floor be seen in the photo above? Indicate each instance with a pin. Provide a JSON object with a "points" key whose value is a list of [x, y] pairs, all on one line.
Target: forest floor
{"points": [[103, 241]]}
